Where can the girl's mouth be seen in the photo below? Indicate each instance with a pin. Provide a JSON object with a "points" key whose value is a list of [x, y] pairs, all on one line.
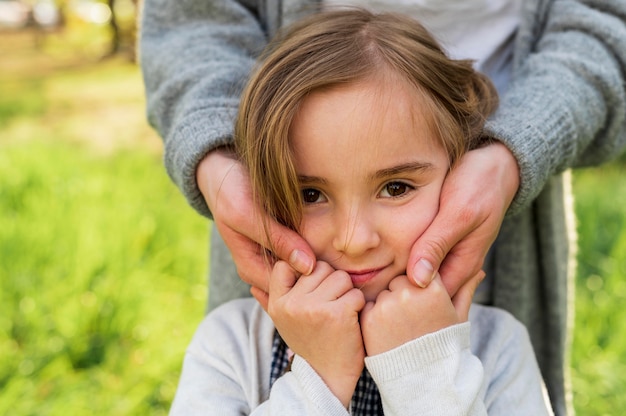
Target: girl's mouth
{"points": [[359, 278]]}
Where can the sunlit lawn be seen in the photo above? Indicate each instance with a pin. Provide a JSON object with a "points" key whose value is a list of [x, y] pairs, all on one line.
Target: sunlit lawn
{"points": [[102, 264], [599, 353]]}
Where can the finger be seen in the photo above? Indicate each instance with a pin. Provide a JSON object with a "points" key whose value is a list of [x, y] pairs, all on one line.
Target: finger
{"points": [[367, 308], [310, 283], [253, 264], [429, 251], [289, 246], [354, 299], [463, 298], [335, 284], [261, 297], [282, 280], [283, 242], [399, 282], [338, 286], [463, 262]]}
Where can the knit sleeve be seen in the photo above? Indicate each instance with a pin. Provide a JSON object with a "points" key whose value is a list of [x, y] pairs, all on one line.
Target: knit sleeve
{"points": [[436, 374], [195, 58], [566, 105]]}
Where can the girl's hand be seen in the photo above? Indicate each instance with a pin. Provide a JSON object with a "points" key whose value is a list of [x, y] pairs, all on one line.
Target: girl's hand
{"points": [[318, 317], [405, 312]]}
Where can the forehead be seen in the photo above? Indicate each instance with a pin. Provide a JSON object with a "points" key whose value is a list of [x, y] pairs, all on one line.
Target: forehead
{"points": [[378, 115]]}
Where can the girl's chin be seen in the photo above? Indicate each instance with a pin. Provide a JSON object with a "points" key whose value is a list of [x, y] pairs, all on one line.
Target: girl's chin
{"points": [[371, 293]]}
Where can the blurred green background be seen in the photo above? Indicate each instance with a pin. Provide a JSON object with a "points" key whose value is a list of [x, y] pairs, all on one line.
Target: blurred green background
{"points": [[102, 263]]}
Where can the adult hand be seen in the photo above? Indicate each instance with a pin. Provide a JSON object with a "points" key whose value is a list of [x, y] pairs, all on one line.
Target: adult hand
{"points": [[225, 185], [474, 199], [318, 317]]}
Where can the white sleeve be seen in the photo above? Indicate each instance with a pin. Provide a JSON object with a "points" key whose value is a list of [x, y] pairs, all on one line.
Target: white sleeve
{"points": [[226, 371], [436, 374], [302, 392]]}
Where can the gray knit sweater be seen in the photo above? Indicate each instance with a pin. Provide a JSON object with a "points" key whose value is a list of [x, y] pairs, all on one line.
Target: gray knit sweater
{"points": [[565, 107]]}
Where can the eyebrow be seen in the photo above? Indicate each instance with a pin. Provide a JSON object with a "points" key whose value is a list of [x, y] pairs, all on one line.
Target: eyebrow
{"points": [[410, 167], [308, 180]]}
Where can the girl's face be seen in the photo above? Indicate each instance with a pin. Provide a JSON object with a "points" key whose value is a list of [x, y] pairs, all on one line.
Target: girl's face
{"points": [[371, 172]]}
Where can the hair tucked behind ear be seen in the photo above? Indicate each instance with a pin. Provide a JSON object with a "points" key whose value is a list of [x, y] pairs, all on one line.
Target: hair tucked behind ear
{"points": [[340, 47]]}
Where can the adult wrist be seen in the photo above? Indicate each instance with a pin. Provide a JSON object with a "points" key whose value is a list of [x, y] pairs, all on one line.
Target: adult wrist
{"points": [[211, 172]]}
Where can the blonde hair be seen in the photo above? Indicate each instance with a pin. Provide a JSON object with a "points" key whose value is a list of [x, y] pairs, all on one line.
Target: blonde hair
{"points": [[339, 47]]}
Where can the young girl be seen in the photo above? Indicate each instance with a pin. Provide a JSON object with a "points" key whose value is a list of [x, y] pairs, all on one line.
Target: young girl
{"points": [[347, 130]]}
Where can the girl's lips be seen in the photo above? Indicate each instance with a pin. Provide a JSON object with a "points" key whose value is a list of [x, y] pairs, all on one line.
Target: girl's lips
{"points": [[361, 277]]}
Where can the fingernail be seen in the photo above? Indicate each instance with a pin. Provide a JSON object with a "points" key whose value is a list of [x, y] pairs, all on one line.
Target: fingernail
{"points": [[423, 273], [300, 261]]}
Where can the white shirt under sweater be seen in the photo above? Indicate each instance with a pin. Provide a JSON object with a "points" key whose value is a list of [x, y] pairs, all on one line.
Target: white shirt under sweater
{"points": [[491, 371], [481, 30]]}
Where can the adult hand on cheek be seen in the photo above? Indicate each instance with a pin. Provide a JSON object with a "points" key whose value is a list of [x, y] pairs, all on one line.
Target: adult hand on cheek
{"points": [[225, 185], [474, 199]]}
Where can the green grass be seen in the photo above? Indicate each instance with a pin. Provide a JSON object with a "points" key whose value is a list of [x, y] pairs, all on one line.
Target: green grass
{"points": [[102, 263], [599, 348], [105, 284]]}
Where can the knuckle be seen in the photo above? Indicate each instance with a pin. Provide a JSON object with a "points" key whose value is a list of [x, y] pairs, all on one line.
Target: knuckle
{"points": [[468, 214], [292, 308], [438, 246], [324, 267], [341, 276], [277, 239]]}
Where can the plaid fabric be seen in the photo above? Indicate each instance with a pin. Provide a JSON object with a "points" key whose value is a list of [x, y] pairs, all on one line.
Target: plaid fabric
{"points": [[280, 359], [365, 400]]}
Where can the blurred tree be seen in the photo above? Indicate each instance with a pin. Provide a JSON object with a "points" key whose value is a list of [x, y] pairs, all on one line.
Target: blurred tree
{"points": [[115, 30], [121, 17], [123, 27]]}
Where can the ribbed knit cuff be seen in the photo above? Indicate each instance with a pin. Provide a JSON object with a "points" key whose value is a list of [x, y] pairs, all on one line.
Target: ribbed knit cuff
{"points": [[201, 132], [412, 356]]}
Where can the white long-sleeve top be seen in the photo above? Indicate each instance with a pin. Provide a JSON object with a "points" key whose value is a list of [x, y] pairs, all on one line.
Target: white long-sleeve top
{"points": [[482, 367]]}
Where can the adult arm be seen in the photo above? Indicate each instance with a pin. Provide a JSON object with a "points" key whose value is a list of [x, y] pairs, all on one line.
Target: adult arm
{"points": [[565, 107], [196, 57]]}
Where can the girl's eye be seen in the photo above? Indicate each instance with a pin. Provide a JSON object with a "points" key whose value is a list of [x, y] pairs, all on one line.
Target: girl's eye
{"points": [[395, 189], [312, 196]]}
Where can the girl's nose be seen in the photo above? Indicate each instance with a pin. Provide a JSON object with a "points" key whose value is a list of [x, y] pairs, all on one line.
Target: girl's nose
{"points": [[356, 234]]}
